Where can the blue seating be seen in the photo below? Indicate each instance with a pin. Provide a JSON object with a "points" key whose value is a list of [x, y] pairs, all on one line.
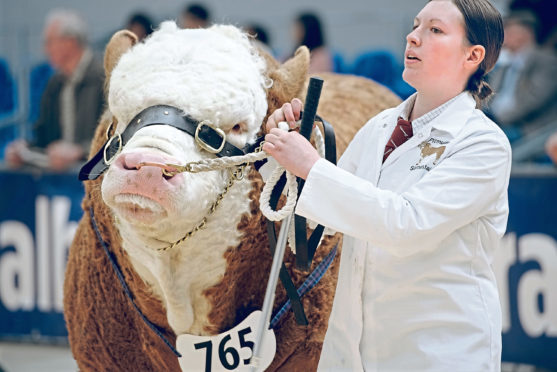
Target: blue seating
{"points": [[8, 105], [339, 66], [17, 128], [7, 90], [7, 135], [381, 66], [40, 74]]}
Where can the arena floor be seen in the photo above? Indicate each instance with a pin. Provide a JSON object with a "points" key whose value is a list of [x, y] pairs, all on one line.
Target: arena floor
{"points": [[20, 357], [17, 357]]}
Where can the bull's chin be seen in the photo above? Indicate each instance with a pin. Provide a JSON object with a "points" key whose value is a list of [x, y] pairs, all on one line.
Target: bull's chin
{"points": [[138, 209]]}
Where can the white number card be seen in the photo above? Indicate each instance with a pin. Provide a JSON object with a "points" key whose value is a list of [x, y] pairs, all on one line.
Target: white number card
{"points": [[228, 351]]}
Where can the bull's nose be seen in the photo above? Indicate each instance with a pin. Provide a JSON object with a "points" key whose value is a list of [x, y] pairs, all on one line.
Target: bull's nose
{"points": [[144, 161]]}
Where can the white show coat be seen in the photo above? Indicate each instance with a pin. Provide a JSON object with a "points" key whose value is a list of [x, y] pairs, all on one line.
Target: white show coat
{"points": [[416, 289]]}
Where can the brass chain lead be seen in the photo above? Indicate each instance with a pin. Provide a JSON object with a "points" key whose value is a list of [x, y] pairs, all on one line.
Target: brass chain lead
{"points": [[236, 174]]}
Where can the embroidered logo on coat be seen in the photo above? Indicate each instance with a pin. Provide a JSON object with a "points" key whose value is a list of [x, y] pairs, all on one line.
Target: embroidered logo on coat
{"points": [[427, 149]]}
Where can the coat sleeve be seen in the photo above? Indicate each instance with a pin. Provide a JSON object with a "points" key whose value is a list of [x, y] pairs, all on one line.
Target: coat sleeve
{"points": [[463, 187]]}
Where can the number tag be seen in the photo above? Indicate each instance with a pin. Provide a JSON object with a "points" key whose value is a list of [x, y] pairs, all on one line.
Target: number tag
{"points": [[228, 351]]}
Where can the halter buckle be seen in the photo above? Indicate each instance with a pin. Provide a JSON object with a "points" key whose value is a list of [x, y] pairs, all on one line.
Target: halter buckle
{"points": [[204, 145], [105, 157]]}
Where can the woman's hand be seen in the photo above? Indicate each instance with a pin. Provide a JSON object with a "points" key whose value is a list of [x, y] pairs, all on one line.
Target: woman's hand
{"points": [[289, 112], [290, 149]]}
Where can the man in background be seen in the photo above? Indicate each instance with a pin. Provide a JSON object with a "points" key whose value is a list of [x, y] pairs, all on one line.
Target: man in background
{"points": [[524, 80], [73, 98]]}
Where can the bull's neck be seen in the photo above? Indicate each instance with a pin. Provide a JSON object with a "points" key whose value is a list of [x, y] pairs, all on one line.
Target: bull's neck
{"points": [[179, 276]]}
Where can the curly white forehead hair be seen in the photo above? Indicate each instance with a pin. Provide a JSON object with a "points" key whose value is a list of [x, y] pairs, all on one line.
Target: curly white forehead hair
{"points": [[211, 74]]}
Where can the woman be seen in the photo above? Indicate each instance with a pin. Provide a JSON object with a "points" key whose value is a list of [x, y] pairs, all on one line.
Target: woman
{"points": [[308, 31], [421, 218]]}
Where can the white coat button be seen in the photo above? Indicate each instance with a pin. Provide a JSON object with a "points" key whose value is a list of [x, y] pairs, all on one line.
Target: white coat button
{"points": [[420, 135]]}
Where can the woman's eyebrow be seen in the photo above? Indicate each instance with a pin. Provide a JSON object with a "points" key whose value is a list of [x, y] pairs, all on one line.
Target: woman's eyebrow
{"points": [[417, 20], [436, 20]]}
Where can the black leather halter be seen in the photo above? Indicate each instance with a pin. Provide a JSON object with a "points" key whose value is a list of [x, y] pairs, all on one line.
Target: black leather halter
{"points": [[211, 139]]}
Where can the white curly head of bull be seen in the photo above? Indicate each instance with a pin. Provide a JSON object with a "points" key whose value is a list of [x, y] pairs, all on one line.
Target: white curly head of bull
{"points": [[210, 74]]}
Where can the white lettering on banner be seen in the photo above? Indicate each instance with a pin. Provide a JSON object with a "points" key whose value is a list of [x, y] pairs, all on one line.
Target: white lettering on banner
{"points": [[16, 268], [533, 283], [63, 232], [54, 233], [44, 295]]}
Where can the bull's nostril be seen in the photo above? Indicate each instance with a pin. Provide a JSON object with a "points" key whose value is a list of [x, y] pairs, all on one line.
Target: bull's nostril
{"points": [[168, 170], [127, 167]]}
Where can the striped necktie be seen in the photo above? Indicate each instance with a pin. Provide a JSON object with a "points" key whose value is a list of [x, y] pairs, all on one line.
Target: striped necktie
{"points": [[402, 132]]}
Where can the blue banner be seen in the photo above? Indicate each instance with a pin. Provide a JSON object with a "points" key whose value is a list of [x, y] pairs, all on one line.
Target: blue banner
{"points": [[526, 268], [38, 218], [39, 214]]}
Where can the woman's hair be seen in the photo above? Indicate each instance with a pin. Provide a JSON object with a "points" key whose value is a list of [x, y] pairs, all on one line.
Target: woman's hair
{"points": [[484, 26], [313, 33]]}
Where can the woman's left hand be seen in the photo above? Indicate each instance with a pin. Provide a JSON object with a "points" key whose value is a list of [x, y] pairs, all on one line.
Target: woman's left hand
{"points": [[291, 150]]}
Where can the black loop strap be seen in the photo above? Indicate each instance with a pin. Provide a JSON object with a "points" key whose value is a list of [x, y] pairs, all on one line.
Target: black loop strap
{"points": [[304, 247], [284, 276]]}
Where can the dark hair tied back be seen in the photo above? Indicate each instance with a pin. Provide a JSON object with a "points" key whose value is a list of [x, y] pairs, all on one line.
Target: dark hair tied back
{"points": [[484, 26], [479, 87]]}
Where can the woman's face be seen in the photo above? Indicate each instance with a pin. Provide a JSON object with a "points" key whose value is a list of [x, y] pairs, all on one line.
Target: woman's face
{"points": [[436, 49]]}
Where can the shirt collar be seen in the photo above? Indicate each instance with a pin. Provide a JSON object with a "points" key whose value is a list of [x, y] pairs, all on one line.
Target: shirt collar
{"points": [[434, 117]]}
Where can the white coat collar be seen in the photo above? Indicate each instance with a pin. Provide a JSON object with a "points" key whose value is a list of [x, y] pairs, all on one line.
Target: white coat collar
{"points": [[451, 121]]}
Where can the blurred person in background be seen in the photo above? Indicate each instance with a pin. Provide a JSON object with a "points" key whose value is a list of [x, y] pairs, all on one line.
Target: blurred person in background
{"points": [[72, 101], [260, 37], [140, 24], [307, 30], [195, 16], [545, 13], [551, 148], [524, 79]]}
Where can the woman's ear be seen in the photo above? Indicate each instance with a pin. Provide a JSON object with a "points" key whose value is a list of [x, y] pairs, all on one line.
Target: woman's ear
{"points": [[476, 55]]}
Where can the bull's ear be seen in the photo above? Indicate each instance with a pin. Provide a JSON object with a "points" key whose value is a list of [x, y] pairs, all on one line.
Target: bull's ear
{"points": [[119, 44], [288, 79]]}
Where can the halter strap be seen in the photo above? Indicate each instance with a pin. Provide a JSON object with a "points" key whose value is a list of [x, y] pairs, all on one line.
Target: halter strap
{"points": [[209, 138]]}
